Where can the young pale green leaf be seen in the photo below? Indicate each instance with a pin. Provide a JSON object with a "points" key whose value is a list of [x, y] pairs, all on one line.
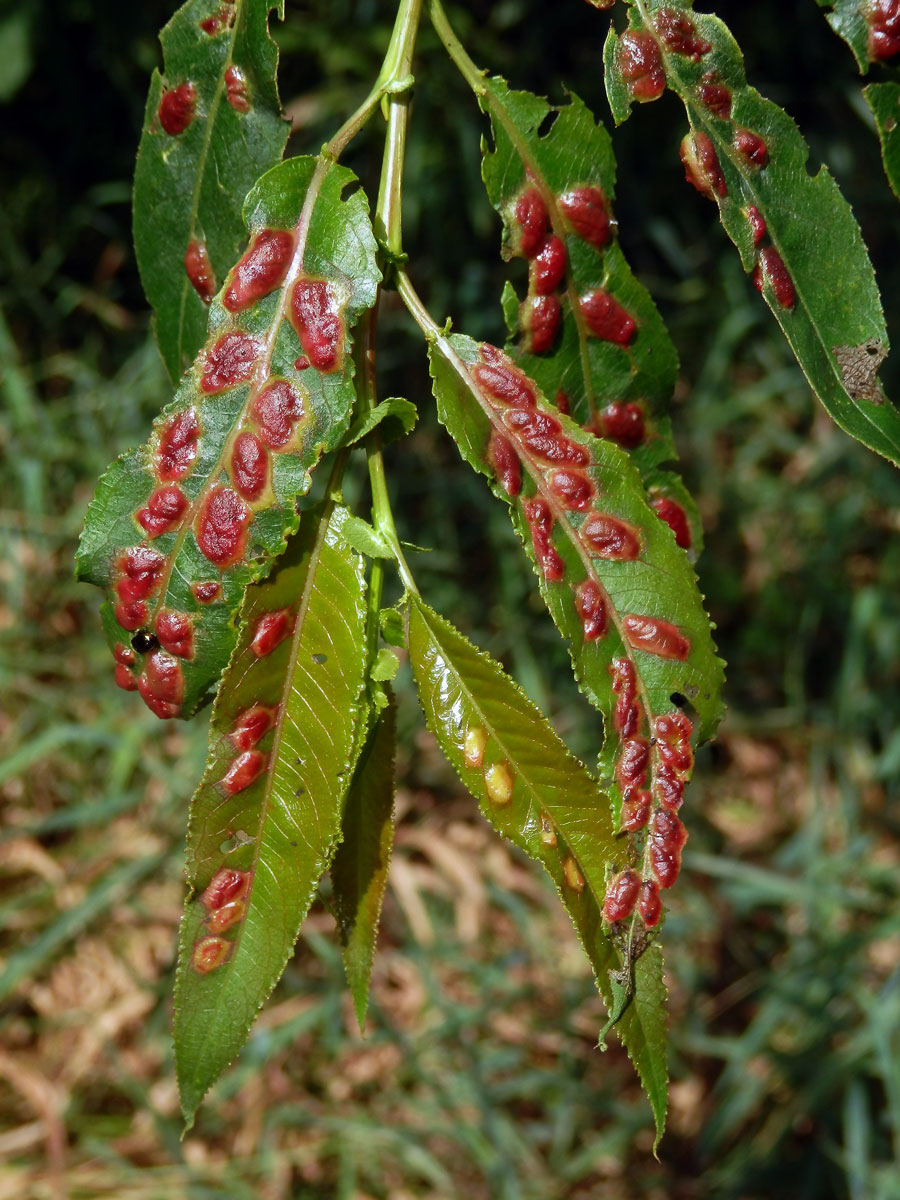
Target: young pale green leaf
{"points": [[847, 19], [212, 126], [794, 230], [884, 101], [395, 415], [359, 871], [180, 526], [365, 538], [266, 818], [607, 359], [545, 802]]}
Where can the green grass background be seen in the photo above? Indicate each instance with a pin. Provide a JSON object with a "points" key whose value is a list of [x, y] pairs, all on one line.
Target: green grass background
{"points": [[478, 1076]]}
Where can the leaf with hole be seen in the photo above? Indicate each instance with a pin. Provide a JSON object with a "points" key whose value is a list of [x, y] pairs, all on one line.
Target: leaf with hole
{"points": [[794, 231]]}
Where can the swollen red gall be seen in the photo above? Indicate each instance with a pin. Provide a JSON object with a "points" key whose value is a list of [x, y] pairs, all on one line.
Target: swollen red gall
{"points": [[585, 211], [610, 538], [623, 424], [771, 268], [655, 636], [236, 89], [177, 446], [246, 769], [701, 165], [548, 267], [757, 224], [715, 96], [675, 517], [531, 219], [621, 895], [540, 519], [210, 953], [163, 511], [176, 108], [606, 318], [641, 66], [249, 466], [270, 631], [679, 34], [591, 608], [199, 271], [506, 463], [316, 316], [251, 726], [222, 525], [228, 362], [260, 269], [276, 410], [161, 684], [226, 885], [175, 631], [649, 903], [751, 146], [497, 375], [540, 317]]}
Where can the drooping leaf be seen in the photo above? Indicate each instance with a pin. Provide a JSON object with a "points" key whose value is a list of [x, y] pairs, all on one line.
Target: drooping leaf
{"points": [[560, 185], [794, 230], [610, 364], [884, 101], [847, 20], [359, 871], [545, 802], [266, 818], [180, 526], [212, 126], [616, 584]]}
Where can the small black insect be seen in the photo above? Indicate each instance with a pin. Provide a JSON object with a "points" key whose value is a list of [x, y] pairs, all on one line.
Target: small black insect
{"points": [[144, 641]]}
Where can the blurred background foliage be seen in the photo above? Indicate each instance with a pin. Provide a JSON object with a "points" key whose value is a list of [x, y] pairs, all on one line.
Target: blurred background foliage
{"points": [[479, 1075]]}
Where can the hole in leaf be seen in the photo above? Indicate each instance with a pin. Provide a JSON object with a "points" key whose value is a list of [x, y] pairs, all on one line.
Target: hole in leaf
{"points": [[678, 699], [548, 122]]}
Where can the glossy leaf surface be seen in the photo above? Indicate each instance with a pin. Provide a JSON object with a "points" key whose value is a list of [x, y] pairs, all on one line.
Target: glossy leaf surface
{"points": [[794, 230], [212, 126], [266, 818], [884, 101], [359, 872], [180, 526], [543, 800]]}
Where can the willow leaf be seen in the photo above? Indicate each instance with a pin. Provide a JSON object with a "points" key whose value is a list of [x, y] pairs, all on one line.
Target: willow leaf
{"points": [[884, 101], [266, 818], [180, 526], [794, 230], [847, 19], [360, 869], [545, 802], [563, 181], [212, 126], [616, 584]]}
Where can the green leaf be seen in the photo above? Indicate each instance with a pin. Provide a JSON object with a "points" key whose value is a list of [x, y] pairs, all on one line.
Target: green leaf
{"points": [[359, 872], [366, 539], [617, 586], [794, 230], [266, 818], [847, 19], [390, 622], [269, 394], [396, 416], [568, 166], [544, 801], [189, 186], [884, 101], [385, 666]]}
